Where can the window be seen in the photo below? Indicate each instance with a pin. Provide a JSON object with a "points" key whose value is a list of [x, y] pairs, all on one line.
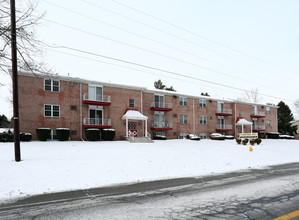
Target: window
{"points": [[240, 113], [52, 110], [268, 110], [51, 85], [73, 132], [202, 103], [183, 101], [159, 101], [183, 119], [183, 135], [95, 93], [203, 135], [131, 103], [268, 123], [53, 135], [203, 120]]}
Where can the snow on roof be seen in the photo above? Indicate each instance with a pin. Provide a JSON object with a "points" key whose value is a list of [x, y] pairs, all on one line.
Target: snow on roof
{"points": [[243, 121], [134, 115]]}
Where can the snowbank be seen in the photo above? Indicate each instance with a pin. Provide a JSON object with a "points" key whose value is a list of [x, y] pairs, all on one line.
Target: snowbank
{"points": [[59, 166]]}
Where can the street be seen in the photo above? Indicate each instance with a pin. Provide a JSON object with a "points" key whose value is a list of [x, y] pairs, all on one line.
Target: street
{"points": [[264, 193]]}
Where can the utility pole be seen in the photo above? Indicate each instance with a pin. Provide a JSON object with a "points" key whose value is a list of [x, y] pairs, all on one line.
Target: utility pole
{"points": [[16, 126]]}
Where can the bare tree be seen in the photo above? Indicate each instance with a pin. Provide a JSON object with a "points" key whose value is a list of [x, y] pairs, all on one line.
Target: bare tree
{"points": [[28, 47], [251, 96]]}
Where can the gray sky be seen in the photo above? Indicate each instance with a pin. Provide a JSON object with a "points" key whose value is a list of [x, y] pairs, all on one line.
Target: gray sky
{"points": [[242, 44]]}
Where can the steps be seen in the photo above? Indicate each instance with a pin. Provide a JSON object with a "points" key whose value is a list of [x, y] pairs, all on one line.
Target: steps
{"points": [[140, 140]]}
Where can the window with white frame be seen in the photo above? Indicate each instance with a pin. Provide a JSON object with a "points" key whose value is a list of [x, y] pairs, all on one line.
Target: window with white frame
{"points": [[183, 101], [183, 119], [51, 85], [240, 113], [95, 93], [131, 103], [53, 135], [203, 135], [52, 110], [268, 109], [202, 103], [203, 120], [268, 123], [183, 135]]}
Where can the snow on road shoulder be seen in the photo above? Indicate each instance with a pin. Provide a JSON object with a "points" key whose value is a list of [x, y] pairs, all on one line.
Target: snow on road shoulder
{"points": [[59, 166]]}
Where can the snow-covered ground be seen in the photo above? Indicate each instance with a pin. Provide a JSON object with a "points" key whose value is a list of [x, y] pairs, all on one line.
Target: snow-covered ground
{"points": [[59, 166]]}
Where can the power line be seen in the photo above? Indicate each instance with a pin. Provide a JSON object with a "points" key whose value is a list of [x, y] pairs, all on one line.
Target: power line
{"points": [[200, 36], [163, 70], [177, 37], [153, 52]]}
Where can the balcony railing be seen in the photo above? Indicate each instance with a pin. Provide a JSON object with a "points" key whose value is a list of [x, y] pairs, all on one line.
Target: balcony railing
{"points": [[224, 127], [161, 126], [258, 114], [224, 112], [161, 106], [97, 122], [98, 100], [258, 128]]}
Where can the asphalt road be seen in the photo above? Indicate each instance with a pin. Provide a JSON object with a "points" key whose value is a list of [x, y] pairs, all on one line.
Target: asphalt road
{"points": [[249, 194]]}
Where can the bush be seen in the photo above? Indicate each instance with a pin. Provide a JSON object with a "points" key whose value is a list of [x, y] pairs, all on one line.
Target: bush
{"points": [[92, 134], [63, 134], [6, 137], [252, 141], [159, 137], [108, 134], [258, 141], [238, 140], [43, 133], [25, 136], [245, 141]]}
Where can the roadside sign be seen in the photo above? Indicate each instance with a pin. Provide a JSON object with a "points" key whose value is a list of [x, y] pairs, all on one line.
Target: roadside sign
{"points": [[248, 135]]}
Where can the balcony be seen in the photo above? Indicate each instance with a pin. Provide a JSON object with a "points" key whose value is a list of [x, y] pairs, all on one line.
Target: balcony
{"points": [[161, 126], [224, 112], [222, 127], [258, 128], [96, 123], [161, 106], [103, 100], [258, 115]]}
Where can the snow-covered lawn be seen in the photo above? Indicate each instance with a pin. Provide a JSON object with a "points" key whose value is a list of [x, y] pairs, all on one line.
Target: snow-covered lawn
{"points": [[59, 166]]}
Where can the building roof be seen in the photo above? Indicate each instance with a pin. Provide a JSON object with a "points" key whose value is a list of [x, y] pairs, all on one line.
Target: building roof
{"points": [[155, 91]]}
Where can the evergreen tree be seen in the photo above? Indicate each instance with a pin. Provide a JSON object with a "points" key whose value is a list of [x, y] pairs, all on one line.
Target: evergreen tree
{"points": [[4, 122], [159, 85], [285, 117]]}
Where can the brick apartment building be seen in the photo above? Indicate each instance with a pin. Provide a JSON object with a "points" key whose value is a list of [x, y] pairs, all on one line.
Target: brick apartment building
{"points": [[74, 103]]}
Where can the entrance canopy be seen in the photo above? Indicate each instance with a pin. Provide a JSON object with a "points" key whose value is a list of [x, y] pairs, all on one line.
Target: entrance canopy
{"points": [[134, 115], [242, 122]]}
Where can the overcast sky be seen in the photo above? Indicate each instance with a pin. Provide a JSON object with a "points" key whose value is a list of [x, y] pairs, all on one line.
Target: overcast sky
{"points": [[245, 44]]}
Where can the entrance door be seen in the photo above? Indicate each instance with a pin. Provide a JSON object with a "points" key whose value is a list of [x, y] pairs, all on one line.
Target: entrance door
{"points": [[96, 116], [159, 119], [132, 127], [220, 122]]}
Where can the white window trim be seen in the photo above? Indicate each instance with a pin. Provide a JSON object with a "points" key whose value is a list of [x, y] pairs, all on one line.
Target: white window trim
{"points": [[52, 85], [202, 116], [51, 111], [183, 97], [205, 103], [183, 121]]}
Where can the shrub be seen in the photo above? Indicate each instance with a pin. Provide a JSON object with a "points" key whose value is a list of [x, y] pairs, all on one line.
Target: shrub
{"points": [[63, 134], [238, 140], [6, 137], [92, 134], [245, 141], [108, 134], [252, 141], [43, 133], [159, 137], [25, 136], [258, 141]]}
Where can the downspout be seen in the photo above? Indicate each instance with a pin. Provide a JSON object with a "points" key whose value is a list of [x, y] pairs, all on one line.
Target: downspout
{"points": [[193, 118], [81, 130], [235, 120]]}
